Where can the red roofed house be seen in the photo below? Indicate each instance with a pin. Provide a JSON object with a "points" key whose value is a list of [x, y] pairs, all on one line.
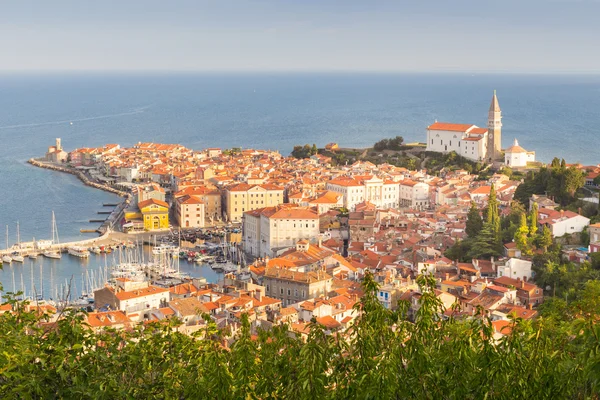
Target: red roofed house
{"points": [[130, 296], [562, 222]]}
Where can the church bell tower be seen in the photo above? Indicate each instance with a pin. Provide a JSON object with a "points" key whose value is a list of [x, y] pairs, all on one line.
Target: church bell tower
{"points": [[494, 144]]}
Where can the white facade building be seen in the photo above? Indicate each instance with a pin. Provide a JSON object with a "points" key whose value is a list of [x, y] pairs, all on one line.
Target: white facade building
{"points": [[562, 222], [414, 194], [516, 156], [515, 268], [468, 141], [270, 229], [383, 194]]}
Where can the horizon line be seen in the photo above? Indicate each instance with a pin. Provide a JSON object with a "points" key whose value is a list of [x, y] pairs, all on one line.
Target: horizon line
{"points": [[295, 71]]}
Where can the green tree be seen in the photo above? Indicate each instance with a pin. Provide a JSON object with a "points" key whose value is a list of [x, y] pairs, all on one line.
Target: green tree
{"points": [[492, 215], [533, 220], [486, 245], [474, 221], [574, 180], [521, 237], [544, 238], [314, 149]]}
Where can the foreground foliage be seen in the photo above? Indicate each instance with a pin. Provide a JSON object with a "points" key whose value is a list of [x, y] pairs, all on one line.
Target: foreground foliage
{"points": [[385, 357]]}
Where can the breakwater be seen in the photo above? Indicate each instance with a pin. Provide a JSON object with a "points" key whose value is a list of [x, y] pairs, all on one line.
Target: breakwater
{"points": [[86, 181], [112, 221]]}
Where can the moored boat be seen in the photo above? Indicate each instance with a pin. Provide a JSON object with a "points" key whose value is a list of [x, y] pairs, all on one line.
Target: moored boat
{"points": [[52, 254], [78, 251]]}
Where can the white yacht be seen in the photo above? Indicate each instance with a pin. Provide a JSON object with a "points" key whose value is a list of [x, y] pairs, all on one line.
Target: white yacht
{"points": [[52, 254], [78, 251], [16, 257]]}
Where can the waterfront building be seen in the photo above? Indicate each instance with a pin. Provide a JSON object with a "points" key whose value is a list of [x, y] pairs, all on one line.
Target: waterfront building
{"points": [[517, 157], [155, 214], [56, 154], [468, 140], [269, 230], [189, 211], [244, 197]]}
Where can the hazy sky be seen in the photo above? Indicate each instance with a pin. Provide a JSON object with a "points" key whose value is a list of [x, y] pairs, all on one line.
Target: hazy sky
{"points": [[398, 35]]}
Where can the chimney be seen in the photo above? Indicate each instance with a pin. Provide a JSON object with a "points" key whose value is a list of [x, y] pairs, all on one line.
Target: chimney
{"points": [[522, 284], [447, 276], [530, 306], [320, 240]]}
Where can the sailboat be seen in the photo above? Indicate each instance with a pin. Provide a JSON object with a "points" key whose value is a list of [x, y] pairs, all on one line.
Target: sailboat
{"points": [[49, 252], [6, 258], [33, 255], [16, 256]]}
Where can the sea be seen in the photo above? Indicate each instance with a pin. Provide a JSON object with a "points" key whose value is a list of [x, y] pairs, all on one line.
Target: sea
{"points": [[555, 115]]}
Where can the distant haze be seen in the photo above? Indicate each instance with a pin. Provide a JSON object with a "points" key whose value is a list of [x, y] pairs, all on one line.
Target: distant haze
{"points": [[301, 35]]}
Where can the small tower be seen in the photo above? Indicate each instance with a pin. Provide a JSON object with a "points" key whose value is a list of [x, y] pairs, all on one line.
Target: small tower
{"points": [[494, 130], [58, 145]]}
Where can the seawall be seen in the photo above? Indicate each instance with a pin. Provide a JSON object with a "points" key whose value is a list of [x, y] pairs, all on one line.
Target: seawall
{"points": [[114, 217], [78, 174]]}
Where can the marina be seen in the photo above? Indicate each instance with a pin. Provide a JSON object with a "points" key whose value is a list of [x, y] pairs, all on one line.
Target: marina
{"points": [[49, 279]]}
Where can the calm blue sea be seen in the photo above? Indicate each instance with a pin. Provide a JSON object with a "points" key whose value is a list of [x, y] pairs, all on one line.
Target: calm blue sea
{"points": [[553, 115]]}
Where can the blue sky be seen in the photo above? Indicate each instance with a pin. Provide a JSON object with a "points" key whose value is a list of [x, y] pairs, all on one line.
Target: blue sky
{"points": [[301, 35]]}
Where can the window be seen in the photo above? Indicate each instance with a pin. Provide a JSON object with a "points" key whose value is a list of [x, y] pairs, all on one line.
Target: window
{"points": [[296, 292], [267, 288], [289, 292], [281, 290]]}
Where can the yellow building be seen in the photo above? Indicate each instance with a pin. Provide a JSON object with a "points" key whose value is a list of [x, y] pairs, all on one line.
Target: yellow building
{"points": [[155, 214], [244, 197]]}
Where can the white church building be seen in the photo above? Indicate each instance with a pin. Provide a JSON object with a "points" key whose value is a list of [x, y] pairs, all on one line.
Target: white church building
{"points": [[469, 141], [517, 157]]}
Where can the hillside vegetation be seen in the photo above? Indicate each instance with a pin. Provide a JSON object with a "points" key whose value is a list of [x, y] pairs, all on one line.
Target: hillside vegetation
{"points": [[385, 356]]}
